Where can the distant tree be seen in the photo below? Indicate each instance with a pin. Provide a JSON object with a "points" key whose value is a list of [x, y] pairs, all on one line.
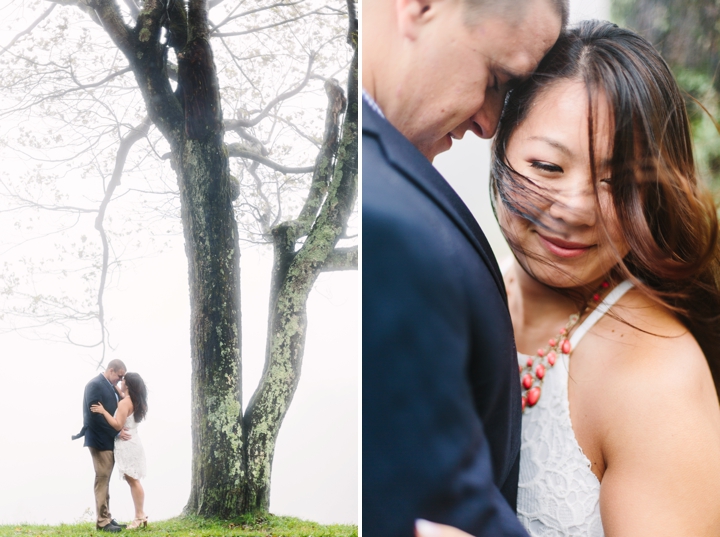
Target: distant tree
{"points": [[687, 34], [96, 91]]}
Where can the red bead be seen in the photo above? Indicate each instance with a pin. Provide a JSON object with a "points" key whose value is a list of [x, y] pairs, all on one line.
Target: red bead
{"points": [[551, 358], [520, 368], [552, 342], [566, 346], [605, 285], [596, 297], [533, 396], [524, 402], [541, 352], [529, 362], [563, 331], [540, 371], [527, 381]]}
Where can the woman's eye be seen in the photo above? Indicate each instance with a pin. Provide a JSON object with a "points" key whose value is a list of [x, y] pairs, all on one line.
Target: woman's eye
{"points": [[546, 166]]}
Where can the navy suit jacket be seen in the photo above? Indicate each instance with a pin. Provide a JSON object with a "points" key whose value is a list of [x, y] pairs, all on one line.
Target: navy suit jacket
{"points": [[441, 394], [98, 433]]}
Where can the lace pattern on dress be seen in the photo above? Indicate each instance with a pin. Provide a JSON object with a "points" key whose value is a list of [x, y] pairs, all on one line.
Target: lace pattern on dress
{"points": [[558, 494], [129, 454]]}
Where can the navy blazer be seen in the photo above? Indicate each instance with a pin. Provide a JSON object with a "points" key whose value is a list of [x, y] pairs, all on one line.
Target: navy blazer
{"points": [[98, 433], [441, 395]]}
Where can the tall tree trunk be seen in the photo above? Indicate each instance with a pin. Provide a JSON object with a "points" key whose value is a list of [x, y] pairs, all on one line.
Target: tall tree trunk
{"points": [[211, 244], [294, 274], [213, 258]]}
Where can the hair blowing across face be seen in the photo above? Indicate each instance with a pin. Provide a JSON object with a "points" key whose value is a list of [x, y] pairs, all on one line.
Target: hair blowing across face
{"points": [[666, 216], [138, 395]]}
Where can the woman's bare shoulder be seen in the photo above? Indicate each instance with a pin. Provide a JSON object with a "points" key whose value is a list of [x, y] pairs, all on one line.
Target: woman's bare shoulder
{"points": [[654, 373], [640, 334], [126, 404], [659, 415]]}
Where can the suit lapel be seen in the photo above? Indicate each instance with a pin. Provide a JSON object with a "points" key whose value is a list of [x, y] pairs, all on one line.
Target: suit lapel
{"points": [[405, 157]]}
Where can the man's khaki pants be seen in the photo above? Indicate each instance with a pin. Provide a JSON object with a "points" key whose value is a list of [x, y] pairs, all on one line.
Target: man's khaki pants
{"points": [[103, 461]]}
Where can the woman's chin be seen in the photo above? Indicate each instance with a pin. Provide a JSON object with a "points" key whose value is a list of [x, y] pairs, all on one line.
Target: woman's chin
{"points": [[560, 277]]}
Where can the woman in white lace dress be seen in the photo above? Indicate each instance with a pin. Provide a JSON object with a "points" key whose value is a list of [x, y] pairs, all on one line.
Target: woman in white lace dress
{"points": [[129, 454], [613, 292]]}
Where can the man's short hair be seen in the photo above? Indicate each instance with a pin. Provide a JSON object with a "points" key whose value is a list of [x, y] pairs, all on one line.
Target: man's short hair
{"points": [[512, 9], [116, 365]]}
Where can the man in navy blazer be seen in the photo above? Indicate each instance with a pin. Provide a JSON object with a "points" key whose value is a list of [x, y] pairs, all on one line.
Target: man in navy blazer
{"points": [[441, 392], [100, 438]]}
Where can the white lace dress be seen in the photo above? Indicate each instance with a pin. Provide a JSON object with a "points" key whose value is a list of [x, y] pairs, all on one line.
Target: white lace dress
{"points": [[129, 454], [558, 495]]}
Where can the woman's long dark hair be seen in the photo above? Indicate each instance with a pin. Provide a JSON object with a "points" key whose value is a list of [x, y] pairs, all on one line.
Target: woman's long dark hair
{"points": [[665, 215], [138, 395]]}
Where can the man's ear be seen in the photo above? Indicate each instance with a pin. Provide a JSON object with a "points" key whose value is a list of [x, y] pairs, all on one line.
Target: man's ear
{"points": [[413, 14]]}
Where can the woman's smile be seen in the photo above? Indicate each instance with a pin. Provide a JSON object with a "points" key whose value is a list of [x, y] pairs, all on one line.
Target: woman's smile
{"points": [[563, 248]]}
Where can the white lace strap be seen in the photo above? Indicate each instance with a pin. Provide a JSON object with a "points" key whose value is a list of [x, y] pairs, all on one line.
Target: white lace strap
{"points": [[610, 300]]}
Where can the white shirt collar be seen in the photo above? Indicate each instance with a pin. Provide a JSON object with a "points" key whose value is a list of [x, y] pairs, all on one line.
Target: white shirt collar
{"points": [[371, 103]]}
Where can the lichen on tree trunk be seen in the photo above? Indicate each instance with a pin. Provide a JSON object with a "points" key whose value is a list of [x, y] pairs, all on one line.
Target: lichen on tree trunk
{"points": [[213, 260]]}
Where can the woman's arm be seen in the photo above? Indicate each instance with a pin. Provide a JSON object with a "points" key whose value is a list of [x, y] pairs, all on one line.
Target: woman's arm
{"points": [[661, 440], [117, 422]]}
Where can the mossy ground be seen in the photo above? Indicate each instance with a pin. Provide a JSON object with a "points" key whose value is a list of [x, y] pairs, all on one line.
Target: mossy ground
{"points": [[251, 525]]}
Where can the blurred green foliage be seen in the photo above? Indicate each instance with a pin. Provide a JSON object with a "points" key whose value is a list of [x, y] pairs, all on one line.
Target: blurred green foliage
{"points": [[687, 34]]}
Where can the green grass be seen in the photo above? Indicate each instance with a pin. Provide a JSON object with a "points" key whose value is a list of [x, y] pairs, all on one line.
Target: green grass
{"points": [[251, 525]]}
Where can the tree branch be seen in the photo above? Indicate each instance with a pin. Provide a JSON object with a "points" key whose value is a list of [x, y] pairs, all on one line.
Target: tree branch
{"points": [[95, 84], [231, 17], [110, 18], [134, 10], [239, 150], [126, 143], [29, 29], [341, 259], [83, 5], [274, 25], [325, 161], [235, 123], [330, 224]]}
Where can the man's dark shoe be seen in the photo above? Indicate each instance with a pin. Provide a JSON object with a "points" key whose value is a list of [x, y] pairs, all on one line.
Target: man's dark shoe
{"points": [[112, 528], [115, 523]]}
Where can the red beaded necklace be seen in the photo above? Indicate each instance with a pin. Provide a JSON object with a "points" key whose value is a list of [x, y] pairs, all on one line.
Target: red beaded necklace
{"points": [[533, 372]]}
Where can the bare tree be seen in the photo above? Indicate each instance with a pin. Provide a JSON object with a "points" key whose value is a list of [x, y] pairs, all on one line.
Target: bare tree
{"points": [[160, 89]]}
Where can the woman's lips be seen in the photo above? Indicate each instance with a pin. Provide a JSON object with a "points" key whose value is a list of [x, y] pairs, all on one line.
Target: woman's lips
{"points": [[563, 248]]}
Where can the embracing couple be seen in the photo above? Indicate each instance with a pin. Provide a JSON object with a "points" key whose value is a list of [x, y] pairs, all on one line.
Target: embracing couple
{"points": [[575, 391], [114, 403]]}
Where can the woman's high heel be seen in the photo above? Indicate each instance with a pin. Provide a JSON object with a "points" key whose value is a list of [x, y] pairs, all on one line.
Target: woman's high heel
{"points": [[137, 523]]}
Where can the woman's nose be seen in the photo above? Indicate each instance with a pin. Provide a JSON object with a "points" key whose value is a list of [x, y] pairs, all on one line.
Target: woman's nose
{"points": [[573, 205]]}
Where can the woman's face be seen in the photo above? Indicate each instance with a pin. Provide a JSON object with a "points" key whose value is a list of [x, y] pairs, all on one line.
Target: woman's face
{"points": [[551, 147]]}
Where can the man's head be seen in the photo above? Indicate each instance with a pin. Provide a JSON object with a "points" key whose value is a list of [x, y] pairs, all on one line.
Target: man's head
{"points": [[115, 371], [439, 68]]}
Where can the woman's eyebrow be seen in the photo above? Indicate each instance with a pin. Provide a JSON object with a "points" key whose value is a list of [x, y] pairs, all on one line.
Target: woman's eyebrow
{"points": [[550, 141]]}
